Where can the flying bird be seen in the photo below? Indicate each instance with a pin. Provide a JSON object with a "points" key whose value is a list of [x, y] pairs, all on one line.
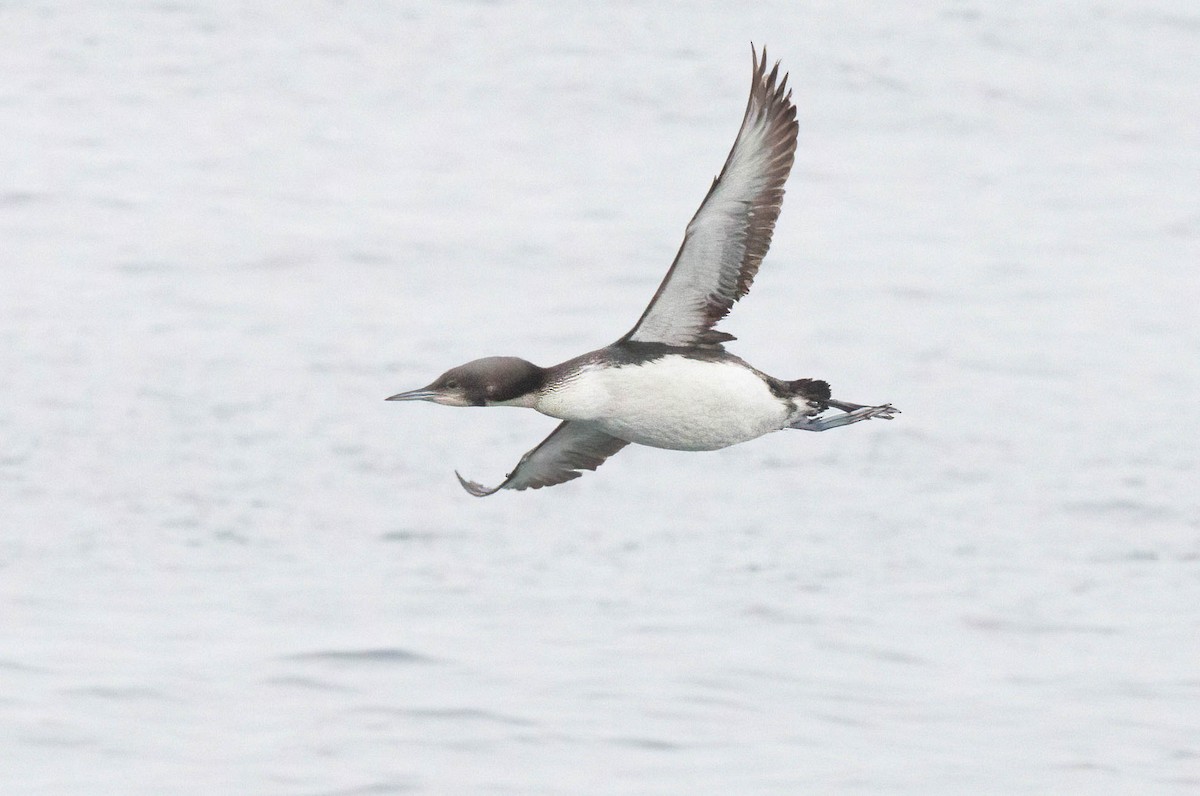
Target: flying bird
{"points": [[669, 382]]}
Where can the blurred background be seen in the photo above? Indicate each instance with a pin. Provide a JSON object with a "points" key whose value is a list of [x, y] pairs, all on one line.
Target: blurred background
{"points": [[228, 231]]}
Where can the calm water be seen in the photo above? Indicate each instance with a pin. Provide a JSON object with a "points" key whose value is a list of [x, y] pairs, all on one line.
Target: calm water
{"points": [[227, 566]]}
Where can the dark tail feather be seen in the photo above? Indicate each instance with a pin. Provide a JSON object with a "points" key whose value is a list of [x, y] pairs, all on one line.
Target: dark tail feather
{"points": [[812, 390]]}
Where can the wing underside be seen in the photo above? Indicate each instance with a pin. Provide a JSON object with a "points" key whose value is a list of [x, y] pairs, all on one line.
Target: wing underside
{"points": [[570, 448], [731, 232]]}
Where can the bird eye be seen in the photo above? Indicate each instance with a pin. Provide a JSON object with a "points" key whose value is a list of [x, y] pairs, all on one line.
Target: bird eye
{"points": [[452, 384]]}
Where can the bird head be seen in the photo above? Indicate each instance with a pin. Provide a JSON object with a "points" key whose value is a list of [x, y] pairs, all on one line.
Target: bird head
{"points": [[490, 381]]}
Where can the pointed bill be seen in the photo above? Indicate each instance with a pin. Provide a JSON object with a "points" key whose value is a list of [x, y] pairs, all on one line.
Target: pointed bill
{"points": [[571, 447], [731, 232], [423, 394]]}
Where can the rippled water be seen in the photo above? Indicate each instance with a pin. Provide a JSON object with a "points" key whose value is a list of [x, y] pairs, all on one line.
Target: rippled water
{"points": [[227, 566]]}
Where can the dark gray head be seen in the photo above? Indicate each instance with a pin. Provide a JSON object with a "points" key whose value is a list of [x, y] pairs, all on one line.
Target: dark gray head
{"points": [[484, 382]]}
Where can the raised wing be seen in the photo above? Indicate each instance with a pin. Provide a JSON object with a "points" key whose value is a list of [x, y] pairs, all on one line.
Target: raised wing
{"points": [[731, 232], [571, 447]]}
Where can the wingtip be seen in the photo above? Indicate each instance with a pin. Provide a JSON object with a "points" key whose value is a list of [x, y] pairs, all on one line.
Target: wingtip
{"points": [[476, 489], [772, 85]]}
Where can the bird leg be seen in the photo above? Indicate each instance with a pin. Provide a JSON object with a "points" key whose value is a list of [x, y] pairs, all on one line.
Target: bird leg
{"points": [[852, 413]]}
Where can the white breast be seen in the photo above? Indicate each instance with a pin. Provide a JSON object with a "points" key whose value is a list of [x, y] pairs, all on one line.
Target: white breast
{"points": [[672, 402]]}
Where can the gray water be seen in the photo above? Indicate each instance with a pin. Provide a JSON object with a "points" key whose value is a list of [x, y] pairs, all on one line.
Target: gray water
{"points": [[228, 231]]}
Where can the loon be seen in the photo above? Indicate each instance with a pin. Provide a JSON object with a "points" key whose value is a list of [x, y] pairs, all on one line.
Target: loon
{"points": [[669, 382]]}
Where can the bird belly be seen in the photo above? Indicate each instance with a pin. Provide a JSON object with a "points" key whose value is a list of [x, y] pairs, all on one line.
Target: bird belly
{"points": [[672, 402]]}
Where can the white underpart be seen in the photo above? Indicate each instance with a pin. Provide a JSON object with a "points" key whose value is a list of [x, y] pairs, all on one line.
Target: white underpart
{"points": [[673, 402]]}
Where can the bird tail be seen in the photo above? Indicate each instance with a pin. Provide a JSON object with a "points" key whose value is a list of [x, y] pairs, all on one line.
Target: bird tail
{"points": [[814, 390]]}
